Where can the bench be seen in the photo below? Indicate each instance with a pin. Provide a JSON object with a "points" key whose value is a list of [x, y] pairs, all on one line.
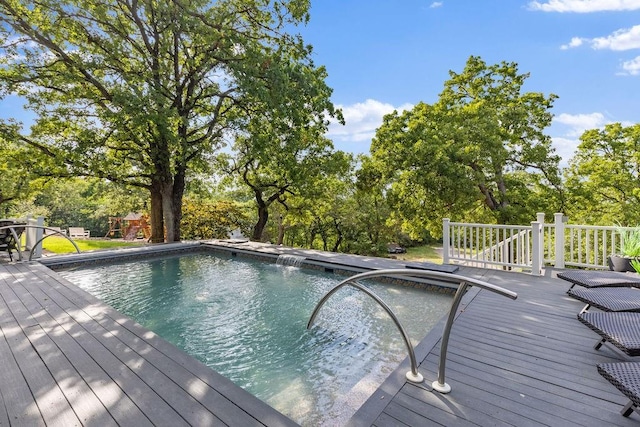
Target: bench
{"points": [[55, 231], [78, 232]]}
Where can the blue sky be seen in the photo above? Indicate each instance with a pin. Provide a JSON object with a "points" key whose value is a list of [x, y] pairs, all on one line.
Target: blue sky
{"points": [[383, 55]]}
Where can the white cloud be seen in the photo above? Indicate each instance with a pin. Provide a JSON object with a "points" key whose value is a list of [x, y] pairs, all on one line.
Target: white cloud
{"points": [[362, 119], [436, 4], [624, 39], [584, 6], [575, 42], [565, 148], [578, 123], [632, 67]]}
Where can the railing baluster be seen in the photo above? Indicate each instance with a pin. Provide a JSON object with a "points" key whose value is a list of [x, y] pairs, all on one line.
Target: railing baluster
{"points": [[510, 246]]}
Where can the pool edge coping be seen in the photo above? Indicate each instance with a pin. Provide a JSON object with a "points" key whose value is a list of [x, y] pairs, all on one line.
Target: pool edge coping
{"points": [[374, 405]]}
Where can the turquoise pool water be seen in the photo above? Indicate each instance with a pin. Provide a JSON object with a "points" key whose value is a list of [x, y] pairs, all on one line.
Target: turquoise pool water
{"points": [[247, 320]]}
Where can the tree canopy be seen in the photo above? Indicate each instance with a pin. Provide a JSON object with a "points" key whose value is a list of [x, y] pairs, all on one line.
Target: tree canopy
{"points": [[143, 92], [603, 178], [479, 153]]}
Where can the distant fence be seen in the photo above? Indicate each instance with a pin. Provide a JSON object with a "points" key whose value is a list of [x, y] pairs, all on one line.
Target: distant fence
{"points": [[530, 247]]}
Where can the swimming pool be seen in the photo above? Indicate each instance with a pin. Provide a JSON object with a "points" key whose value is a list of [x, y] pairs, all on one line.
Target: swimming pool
{"points": [[247, 320]]}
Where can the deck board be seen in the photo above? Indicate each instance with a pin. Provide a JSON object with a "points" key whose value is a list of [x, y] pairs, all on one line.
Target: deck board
{"points": [[68, 359], [169, 360], [20, 404], [522, 362]]}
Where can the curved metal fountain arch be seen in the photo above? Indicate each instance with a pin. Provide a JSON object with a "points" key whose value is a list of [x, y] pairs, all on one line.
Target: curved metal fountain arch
{"points": [[464, 282], [12, 228]]}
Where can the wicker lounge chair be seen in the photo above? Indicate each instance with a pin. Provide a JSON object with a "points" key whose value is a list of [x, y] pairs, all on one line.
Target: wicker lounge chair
{"points": [[625, 376], [8, 240], [599, 279], [621, 329], [607, 299]]}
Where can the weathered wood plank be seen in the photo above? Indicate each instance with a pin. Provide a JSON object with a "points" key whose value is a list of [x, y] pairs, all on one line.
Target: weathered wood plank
{"points": [[385, 420], [106, 349], [479, 408], [582, 409], [4, 416], [217, 393], [51, 401], [416, 412], [110, 395], [80, 396], [20, 404]]}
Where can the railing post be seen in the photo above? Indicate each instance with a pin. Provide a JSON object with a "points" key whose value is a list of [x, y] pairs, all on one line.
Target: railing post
{"points": [[36, 249], [446, 241], [559, 235], [543, 240], [29, 233], [536, 261]]}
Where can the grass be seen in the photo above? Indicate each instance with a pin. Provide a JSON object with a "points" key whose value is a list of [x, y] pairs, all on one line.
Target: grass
{"points": [[421, 253], [60, 245]]}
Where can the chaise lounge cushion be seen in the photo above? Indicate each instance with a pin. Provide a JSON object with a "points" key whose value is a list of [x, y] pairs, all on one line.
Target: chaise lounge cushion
{"points": [[625, 376], [620, 329], [608, 299], [596, 279]]}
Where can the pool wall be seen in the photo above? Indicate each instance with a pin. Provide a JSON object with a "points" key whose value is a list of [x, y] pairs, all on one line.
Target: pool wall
{"points": [[342, 264]]}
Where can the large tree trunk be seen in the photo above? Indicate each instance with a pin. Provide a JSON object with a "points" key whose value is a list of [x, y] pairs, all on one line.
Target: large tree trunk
{"points": [[168, 212], [281, 229], [155, 215], [178, 193], [339, 234], [263, 217]]}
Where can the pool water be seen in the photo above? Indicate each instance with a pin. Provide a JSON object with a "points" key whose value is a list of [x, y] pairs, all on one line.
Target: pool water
{"points": [[247, 320]]}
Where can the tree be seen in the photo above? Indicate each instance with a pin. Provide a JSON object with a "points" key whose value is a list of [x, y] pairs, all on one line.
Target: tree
{"points": [[277, 159], [15, 175], [213, 219], [477, 153], [603, 178], [142, 92]]}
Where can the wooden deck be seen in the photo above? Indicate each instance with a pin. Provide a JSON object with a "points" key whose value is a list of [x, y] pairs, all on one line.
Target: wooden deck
{"points": [[527, 362], [68, 359]]}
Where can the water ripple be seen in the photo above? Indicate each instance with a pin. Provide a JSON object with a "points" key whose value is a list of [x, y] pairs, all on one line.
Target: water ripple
{"points": [[247, 320]]}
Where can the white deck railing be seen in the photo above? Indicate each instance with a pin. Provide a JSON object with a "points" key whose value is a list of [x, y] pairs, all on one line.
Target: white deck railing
{"points": [[492, 246], [530, 247]]}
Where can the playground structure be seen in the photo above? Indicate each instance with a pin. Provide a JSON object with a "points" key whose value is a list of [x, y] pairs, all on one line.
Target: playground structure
{"points": [[130, 227]]}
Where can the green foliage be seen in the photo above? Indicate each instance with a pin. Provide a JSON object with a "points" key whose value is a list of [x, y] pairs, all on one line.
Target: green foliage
{"points": [[141, 93], [630, 241], [602, 179], [15, 177], [478, 154], [83, 202], [635, 263], [205, 219], [279, 162]]}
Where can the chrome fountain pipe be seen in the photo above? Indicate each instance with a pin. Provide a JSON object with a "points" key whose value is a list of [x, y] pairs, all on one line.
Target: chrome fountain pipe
{"points": [[413, 375], [464, 282]]}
